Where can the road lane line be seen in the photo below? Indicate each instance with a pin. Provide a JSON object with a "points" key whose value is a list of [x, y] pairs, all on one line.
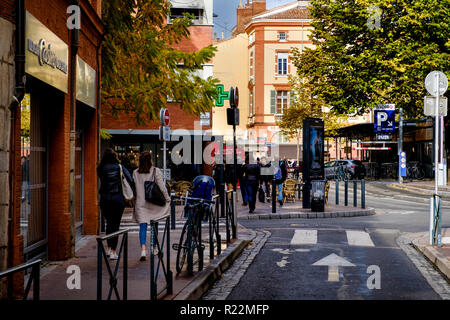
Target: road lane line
{"points": [[359, 238], [304, 237]]}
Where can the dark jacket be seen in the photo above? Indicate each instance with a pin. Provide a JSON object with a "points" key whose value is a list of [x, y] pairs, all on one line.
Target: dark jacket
{"points": [[252, 172], [110, 182]]}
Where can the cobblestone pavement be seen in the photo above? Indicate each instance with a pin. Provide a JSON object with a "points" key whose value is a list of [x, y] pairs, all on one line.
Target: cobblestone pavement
{"points": [[223, 287], [433, 277]]}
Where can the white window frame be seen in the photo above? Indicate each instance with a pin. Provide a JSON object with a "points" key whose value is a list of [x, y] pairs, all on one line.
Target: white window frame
{"points": [[282, 57], [284, 97], [284, 38]]}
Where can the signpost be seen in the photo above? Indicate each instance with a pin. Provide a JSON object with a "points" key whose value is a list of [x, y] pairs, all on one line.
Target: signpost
{"points": [[164, 135], [384, 121], [436, 84], [233, 119]]}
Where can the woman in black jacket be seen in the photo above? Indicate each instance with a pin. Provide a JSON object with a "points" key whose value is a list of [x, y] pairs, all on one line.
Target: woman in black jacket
{"points": [[112, 202]]}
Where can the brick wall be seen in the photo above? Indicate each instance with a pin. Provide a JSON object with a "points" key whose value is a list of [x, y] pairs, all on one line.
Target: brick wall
{"points": [[7, 9]]}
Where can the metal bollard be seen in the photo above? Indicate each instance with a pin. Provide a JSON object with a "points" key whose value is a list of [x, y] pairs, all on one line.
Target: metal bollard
{"points": [[337, 192], [172, 211], [363, 194], [346, 193], [355, 193], [274, 196]]}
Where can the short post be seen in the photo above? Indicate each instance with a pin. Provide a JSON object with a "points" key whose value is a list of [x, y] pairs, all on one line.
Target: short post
{"points": [[200, 248], [234, 227], [363, 194], [355, 192], [274, 196], [36, 278], [337, 192], [153, 280], [169, 272], [99, 269], [172, 211], [125, 266], [222, 201], [346, 193]]}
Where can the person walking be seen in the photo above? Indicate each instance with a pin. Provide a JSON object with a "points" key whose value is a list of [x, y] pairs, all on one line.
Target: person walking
{"points": [[242, 183], [266, 178], [144, 211], [252, 174], [112, 201], [280, 177]]}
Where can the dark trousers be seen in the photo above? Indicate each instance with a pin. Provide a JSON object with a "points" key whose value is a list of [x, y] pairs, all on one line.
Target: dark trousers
{"points": [[112, 206], [242, 184], [252, 189]]}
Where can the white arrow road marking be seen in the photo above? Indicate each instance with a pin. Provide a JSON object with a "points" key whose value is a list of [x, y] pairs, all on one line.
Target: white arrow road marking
{"points": [[359, 238], [283, 262], [302, 250], [333, 262], [304, 237]]}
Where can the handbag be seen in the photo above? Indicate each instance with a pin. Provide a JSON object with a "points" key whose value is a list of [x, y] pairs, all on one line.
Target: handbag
{"points": [[153, 193], [261, 195], [126, 188]]}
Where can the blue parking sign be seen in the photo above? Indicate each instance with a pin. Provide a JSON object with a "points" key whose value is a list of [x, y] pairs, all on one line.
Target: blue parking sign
{"points": [[384, 120], [402, 163]]}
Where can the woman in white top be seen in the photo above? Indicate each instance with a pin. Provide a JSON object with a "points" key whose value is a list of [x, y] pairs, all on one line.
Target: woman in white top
{"points": [[144, 211]]}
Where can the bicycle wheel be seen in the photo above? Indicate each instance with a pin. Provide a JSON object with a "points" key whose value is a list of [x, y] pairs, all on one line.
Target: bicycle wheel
{"points": [[183, 246], [420, 174]]}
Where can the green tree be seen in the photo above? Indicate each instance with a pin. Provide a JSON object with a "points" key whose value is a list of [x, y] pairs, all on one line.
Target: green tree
{"points": [[141, 67], [357, 63]]}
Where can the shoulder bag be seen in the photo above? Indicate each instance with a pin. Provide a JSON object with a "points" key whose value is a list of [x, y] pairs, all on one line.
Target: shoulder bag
{"points": [[153, 193], [126, 188]]}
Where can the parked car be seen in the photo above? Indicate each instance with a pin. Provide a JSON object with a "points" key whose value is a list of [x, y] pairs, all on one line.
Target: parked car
{"points": [[351, 169]]}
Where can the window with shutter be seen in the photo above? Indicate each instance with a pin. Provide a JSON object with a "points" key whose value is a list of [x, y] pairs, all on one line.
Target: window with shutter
{"points": [[272, 101]]}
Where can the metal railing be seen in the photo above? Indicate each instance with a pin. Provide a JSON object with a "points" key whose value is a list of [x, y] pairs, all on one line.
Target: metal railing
{"points": [[101, 254], [159, 248], [33, 279], [214, 228], [355, 192], [230, 216]]}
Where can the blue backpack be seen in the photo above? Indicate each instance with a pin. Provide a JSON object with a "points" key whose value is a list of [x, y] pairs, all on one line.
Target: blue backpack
{"points": [[278, 174]]}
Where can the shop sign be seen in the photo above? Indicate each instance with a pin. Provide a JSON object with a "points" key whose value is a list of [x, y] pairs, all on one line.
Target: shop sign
{"points": [[86, 79], [46, 56]]}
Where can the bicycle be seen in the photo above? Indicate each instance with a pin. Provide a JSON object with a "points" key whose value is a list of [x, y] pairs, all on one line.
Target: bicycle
{"points": [[341, 173], [190, 239], [415, 172]]}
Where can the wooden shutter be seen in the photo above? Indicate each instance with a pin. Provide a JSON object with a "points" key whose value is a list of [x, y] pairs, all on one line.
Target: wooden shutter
{"points": [[273, 101]]}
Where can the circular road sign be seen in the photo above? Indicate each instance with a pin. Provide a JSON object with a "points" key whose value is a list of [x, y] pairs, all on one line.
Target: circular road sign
{"points": [[231, 97], [236, 97], [164, 117], [430, 83]]}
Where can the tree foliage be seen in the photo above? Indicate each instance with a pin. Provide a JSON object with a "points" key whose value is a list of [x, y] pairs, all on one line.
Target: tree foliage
{"points": [[305, 105], [142, 69], [356, 64]]}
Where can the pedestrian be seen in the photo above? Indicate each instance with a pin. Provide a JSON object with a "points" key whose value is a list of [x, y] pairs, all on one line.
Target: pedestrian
{"points": [[252, 174], [112, 201], [144, 211], [266, 178], [242, 185], [280, 177]]}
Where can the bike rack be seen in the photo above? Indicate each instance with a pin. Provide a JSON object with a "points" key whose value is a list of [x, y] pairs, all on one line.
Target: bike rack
{"points": [[230, 218], [154, 272], [34, 278], [101, 254], [214, 228]]}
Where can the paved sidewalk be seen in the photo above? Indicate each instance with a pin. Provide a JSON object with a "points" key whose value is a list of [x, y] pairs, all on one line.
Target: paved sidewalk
{"points": [[54, 276], [439, 256]]}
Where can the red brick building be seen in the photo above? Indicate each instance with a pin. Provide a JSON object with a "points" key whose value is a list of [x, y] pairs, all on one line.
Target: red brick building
{"points": [[43, 225], [129, 139]]}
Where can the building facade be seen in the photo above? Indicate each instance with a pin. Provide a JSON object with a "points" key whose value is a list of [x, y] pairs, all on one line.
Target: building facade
{"points": [[129, 139], [60, 104]]}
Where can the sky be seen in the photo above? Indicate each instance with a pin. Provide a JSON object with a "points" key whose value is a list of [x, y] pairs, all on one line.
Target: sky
{"points": [[226, 11]]}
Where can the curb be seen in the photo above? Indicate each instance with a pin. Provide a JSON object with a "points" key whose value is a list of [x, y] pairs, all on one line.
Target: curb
{"points": [[309, 215], [437, 259], [204, 280], [419, 190]]}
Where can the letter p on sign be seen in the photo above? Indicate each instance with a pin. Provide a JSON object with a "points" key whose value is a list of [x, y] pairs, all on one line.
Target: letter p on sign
{"points": [[382, 116]]}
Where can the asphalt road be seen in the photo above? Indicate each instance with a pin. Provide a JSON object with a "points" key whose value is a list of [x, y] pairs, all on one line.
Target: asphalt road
{"points": [[299, 260]]}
